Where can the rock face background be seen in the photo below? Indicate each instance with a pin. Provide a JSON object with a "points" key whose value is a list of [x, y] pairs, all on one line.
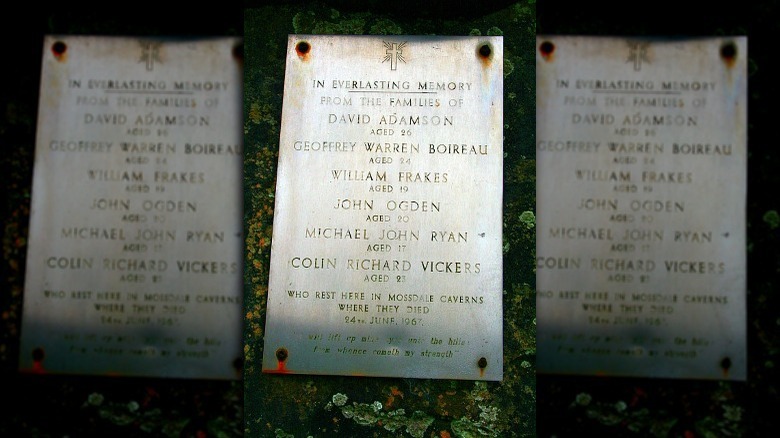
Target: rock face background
{"points": [[297, 405], [523, 404]]}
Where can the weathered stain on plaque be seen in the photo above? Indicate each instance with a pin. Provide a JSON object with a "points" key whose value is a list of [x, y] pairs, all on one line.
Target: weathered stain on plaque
{"points": [[641, 189], [386, 255], [134, 260]]}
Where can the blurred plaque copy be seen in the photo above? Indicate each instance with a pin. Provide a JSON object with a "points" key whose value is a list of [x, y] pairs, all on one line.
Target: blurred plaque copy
{"points": [[386, 253], [641, 196], [135, 246]]}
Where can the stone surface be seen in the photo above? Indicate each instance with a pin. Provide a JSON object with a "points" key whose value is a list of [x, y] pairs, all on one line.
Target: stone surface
{"points": [[641, 196], [134, 262], [305, 404], [386, 252]]}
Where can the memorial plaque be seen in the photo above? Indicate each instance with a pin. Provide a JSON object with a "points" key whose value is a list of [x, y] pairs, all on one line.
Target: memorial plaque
{"points": [[135, 247], [386, 254], [641, 187]]}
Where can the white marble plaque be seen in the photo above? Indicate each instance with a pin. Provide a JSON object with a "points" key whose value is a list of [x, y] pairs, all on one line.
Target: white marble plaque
{"points": [[135, 247], [386, 254], [641, 188]]}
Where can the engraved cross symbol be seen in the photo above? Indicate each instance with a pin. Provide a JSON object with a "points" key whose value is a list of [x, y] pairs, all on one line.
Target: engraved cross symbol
{"points": [[394, 52], [150, 52], [637, 52]]}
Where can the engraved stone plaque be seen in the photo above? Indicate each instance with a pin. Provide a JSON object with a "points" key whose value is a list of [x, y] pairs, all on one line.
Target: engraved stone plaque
{"points": [[641, 188], [386, 253], [135, 245]]}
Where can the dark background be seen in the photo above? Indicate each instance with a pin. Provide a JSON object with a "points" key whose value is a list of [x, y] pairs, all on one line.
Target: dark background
{"points": [[687, 408], [65, 405], [88, 406]]}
